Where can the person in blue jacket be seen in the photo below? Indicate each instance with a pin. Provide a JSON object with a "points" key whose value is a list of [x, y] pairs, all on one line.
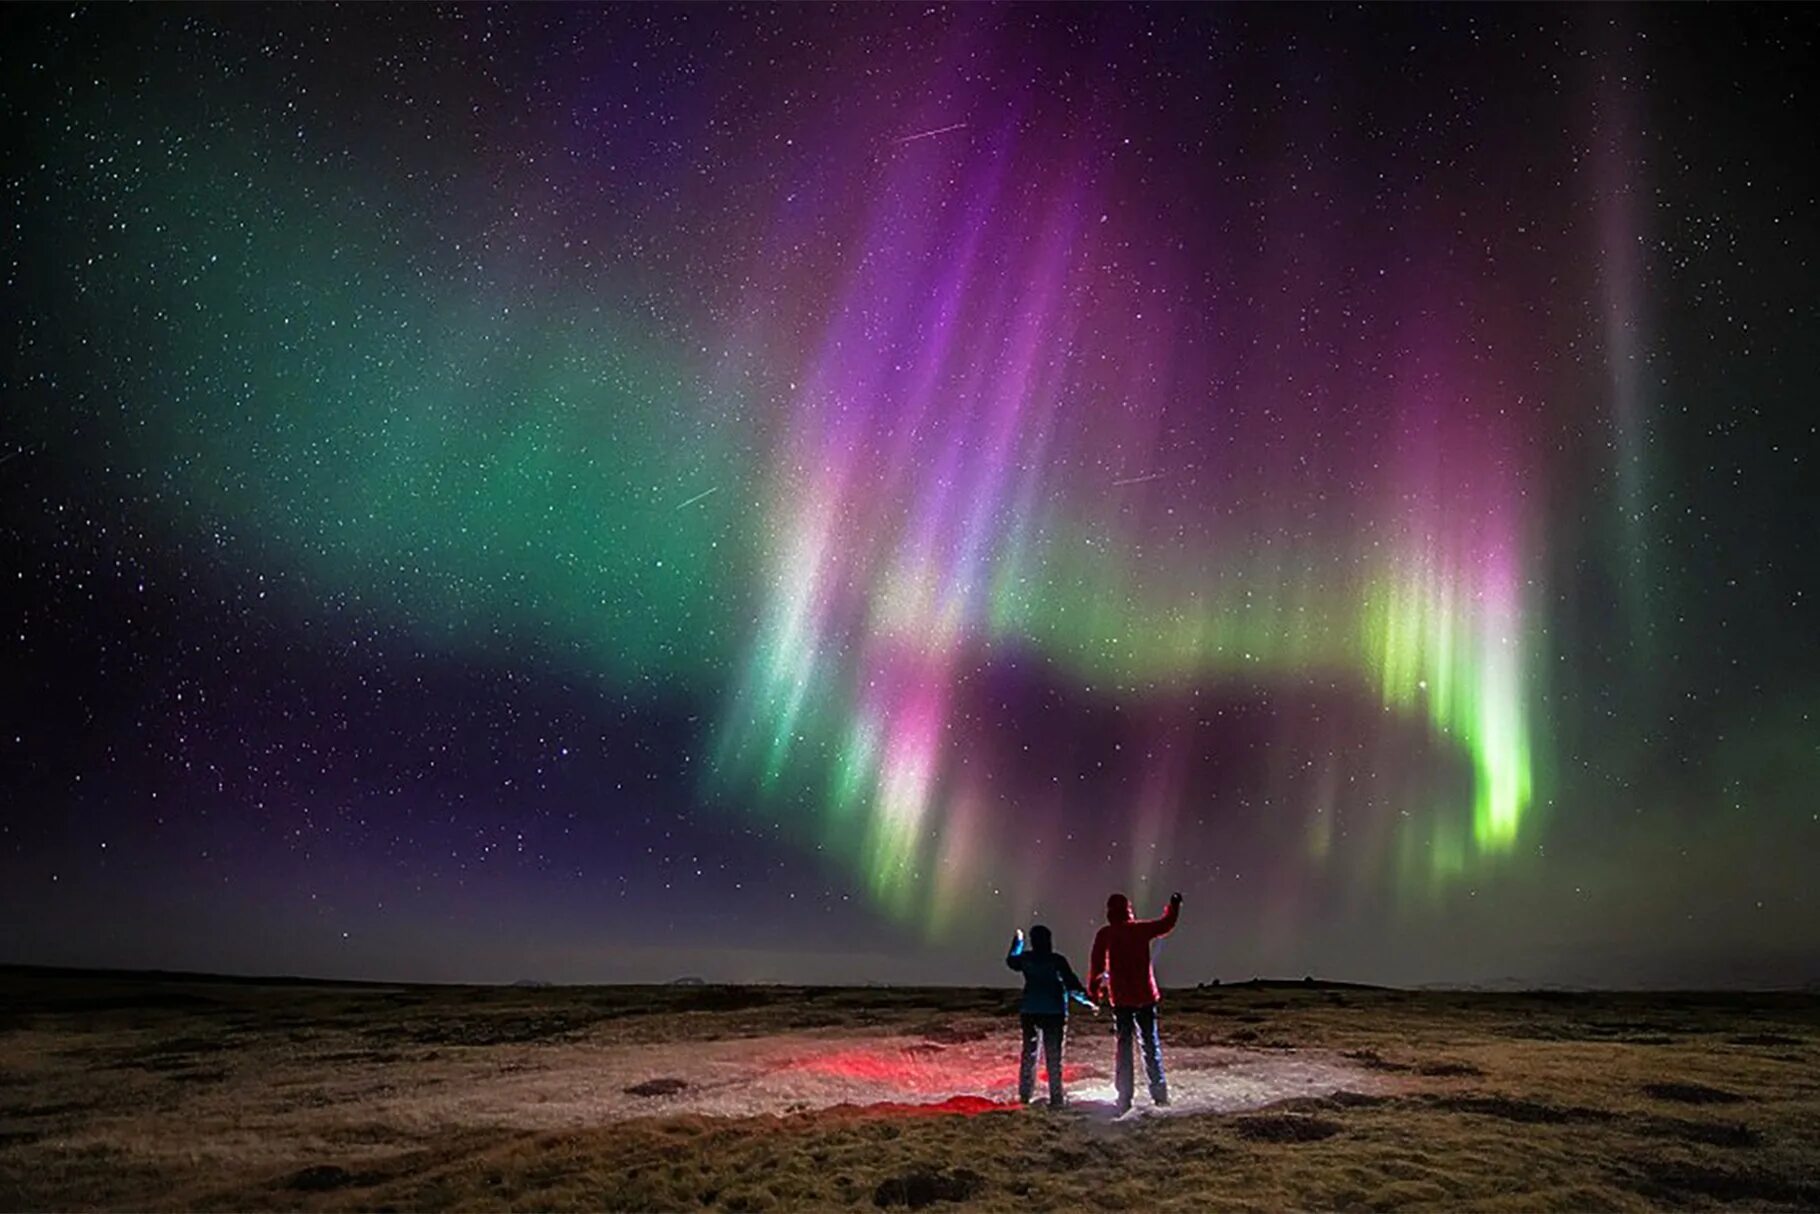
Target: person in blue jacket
{"points": [[1049, 983]]}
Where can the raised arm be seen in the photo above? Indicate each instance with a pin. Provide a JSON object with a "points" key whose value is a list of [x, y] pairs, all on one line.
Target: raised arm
{"points": [[1015, 958], [1165, 924]]}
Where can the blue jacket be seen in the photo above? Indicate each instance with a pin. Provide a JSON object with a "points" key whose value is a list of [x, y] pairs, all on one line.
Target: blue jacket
{"points": [[1048, 980]]}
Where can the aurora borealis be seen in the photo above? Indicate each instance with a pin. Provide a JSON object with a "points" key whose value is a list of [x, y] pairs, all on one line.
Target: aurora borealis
{"points": [[942, 495], [792, 493]]}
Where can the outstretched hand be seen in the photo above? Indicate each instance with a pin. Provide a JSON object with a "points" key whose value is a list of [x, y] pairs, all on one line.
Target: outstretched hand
{"points": [[1175, 899]]}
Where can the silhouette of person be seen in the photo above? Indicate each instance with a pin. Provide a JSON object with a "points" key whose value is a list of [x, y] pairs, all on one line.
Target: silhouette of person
{"points": [[1049, 982], [1121, 973]]}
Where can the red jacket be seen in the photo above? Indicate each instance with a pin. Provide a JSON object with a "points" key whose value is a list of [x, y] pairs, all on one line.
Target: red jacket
{"points": [[1123, 947]]}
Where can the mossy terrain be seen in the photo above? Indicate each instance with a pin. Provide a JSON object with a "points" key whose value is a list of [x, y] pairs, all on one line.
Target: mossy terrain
{"points": [[122, 1092]]}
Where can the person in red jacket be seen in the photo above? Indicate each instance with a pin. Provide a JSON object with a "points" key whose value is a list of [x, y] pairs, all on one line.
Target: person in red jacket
{"points": [[1121, 973]]}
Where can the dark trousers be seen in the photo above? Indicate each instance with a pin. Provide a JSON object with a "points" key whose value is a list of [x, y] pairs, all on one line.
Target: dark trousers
{"points": [[1051, 1027], [1139, 1022]]}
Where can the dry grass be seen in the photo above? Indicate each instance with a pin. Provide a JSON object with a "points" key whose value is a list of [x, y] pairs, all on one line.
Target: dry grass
{"points": [[124, 1093]]}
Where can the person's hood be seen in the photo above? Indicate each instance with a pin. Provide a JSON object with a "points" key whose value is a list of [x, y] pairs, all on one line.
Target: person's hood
{"points": [[1118, 909], [1041, 941]]}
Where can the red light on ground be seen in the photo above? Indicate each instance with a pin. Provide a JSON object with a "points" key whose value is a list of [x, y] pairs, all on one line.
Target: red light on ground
{"points": [[954, 1106], [918, 1072]]}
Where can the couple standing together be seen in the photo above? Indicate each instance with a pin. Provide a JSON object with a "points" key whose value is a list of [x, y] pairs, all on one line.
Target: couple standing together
{"points": [[1120, 972]]}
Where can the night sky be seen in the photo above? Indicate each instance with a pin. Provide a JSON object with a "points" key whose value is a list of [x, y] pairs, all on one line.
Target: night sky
{"points": [[793, 494]]}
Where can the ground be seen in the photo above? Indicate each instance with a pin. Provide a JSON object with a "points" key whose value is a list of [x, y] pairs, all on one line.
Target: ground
{"points": [[153, 1093]]}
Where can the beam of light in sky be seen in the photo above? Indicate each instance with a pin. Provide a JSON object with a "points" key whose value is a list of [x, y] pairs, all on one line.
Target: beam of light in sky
{"points": [[1621, 256]]}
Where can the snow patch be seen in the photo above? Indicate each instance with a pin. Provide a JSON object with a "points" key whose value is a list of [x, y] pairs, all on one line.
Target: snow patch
{"points": [[893, 1074]]}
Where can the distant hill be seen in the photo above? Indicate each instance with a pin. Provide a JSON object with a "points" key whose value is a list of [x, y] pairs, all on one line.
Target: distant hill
{"points": [[1288, 984], [196, 976]]}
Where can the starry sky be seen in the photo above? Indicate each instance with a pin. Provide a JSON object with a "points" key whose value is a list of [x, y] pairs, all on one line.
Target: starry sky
{"points": [[790, 494]]}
